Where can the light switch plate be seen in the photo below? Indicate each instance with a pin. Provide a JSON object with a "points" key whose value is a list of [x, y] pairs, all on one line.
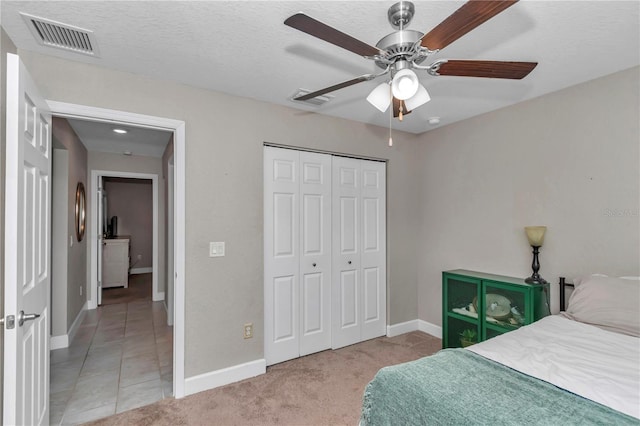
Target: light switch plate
{"points": [[216, 249]]}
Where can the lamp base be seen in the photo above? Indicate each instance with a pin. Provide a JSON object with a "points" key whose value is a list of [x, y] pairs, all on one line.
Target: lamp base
{"points": [[535, 280]]}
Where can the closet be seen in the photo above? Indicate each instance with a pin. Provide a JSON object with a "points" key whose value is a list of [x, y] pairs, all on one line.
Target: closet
{"points": [[324, 252]]}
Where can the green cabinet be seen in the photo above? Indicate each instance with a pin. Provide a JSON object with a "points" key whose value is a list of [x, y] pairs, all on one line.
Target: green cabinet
{"points": [[508, 303]]}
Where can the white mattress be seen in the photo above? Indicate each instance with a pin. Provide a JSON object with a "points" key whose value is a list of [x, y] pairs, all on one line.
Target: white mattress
{"points": [[596, 364]]}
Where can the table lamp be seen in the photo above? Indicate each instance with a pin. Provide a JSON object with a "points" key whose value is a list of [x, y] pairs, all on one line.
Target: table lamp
{"points": [[535, 235]]}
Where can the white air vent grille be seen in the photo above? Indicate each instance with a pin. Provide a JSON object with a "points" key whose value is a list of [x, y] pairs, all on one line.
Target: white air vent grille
{"points": [[317, 101], [62, 36]]}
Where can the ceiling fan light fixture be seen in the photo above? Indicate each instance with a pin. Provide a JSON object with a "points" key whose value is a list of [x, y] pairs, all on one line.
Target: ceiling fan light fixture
{"points": [[380, 97], [420, 98], [404, 84]]}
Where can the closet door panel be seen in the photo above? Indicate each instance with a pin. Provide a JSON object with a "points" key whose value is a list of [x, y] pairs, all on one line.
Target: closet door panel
{"points": [[281, 254], [315, 255], [346, 296], [373, 257]]}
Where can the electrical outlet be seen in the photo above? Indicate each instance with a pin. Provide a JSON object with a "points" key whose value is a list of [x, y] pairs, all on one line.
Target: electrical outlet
{"points": [[139, 257], [248, 331], [81, 290]]}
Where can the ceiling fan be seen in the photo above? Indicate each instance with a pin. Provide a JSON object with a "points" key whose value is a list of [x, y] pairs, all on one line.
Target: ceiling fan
{"points": [[403, 51]]}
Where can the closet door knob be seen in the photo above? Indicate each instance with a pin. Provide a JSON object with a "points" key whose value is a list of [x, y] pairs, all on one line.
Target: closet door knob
{"points": [[314, 264], [349, 262]]}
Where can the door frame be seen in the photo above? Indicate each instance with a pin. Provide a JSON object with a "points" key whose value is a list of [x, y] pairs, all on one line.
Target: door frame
{"points": [[96, 175], [170, 260], [68, 110]]}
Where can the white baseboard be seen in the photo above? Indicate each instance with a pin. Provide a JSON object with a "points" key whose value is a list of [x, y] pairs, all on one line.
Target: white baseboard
{"points": [[432, 329], [414, 325], [63, 341], [224, 376], [402, 328], [134, 271], [59, 342], [158, 296]]}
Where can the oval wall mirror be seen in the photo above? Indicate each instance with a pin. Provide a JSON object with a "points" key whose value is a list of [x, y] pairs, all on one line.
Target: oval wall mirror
{"points": [[81, 212]]}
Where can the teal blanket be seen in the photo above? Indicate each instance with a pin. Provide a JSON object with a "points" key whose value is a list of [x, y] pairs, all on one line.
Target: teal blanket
{"points": [[458, 387]]}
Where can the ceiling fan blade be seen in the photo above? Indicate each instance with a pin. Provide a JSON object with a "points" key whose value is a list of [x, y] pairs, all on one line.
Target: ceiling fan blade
{"points": [[308, 25], [471, 15], [488, 69], [333, 88], [396, 108]]}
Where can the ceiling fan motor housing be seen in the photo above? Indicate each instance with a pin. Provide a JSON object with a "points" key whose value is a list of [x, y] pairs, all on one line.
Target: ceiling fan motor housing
{"points": [[399, 46]]}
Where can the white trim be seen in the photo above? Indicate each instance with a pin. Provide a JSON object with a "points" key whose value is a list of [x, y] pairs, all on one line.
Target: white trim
{"points": [[135, 271], [159, 296], [402, 328], [179, 256], [414, 325], [63, 341], [178, 128], [59, 342], [214, 379], [432, 329]]}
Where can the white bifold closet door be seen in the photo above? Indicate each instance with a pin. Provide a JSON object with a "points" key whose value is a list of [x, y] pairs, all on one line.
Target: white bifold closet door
{"points": [[359, 251], [297, 249], [324, 252]]}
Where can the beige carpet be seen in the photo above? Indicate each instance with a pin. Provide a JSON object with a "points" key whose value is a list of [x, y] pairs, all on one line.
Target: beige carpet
{"points": [[319, 389], [139, 288]]}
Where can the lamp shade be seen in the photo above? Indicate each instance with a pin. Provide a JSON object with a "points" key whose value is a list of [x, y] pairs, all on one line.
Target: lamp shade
{"points": [[420, 98], [380, 97], [405, 84], [535, 235]]}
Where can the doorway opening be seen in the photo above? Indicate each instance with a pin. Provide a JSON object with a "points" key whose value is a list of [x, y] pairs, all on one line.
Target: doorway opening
{"points": [[156, 306]]}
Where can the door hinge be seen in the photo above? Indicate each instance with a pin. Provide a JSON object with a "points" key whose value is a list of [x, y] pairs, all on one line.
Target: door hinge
{"points": [[10, 321]]}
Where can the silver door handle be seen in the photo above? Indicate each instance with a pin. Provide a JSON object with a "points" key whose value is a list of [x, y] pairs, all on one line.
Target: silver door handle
{"points": [[22, 317]]}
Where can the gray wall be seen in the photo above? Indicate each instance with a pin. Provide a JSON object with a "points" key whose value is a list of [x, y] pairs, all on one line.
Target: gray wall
{"points": [[76, 275], [224, 194], [133, 164], [6, 46], [59, 240], [568, 160], [131, 200]]}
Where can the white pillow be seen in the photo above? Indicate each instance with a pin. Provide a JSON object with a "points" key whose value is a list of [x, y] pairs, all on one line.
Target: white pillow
{"points": [[577, 281], [609, 303]]}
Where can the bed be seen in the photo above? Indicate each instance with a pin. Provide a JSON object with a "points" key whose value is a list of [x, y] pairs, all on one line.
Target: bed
{"points": [[576, 368]]}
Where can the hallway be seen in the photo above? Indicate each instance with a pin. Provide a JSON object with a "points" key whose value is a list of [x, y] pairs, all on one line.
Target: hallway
{"points": [[121, 358]]}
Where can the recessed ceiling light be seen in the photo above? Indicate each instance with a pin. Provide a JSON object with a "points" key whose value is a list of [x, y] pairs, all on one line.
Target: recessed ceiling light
{"points": [[120, 131], [434, 120], [127, 153]]}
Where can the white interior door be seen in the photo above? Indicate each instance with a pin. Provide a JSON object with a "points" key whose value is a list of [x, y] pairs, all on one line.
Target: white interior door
{"points": [[359, 251], [102, 212], [373, 257], [27, 250], [346, 302], [297, 253], [315, 252], [171, 272], [281, 254]]}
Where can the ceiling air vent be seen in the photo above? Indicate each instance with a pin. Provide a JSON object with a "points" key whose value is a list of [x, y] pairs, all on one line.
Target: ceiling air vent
{"points": [[317, 101], [55, 34]]}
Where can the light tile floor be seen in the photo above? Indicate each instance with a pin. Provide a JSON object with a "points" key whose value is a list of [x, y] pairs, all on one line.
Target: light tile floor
{"points": [[121, 358]]}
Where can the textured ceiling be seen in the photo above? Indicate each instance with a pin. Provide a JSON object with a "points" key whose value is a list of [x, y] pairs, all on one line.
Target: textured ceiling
{"points": [[243, 48], [99, 136]]}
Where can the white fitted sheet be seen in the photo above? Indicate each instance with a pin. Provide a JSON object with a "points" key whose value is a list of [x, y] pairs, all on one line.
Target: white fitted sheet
{"points": [[596, 364]]}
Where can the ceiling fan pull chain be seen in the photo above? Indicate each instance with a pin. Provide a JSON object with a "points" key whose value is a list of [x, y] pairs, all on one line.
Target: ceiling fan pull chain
{"points": [[390, 117], [400, 113]]}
